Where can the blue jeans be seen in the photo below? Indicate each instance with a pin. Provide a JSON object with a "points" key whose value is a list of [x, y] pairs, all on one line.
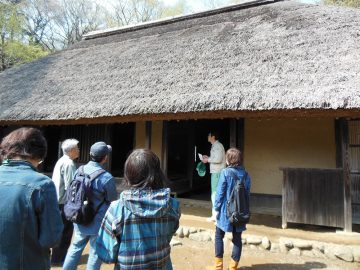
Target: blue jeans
{"points": [[74, 252], [219, 244]]}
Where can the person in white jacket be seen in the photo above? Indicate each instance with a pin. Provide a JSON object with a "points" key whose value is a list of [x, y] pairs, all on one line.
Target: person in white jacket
{"points": [[217, 162], [64, 172]]}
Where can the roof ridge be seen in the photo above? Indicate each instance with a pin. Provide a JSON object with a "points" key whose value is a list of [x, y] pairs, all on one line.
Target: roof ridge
{"points": [[169, 20]]}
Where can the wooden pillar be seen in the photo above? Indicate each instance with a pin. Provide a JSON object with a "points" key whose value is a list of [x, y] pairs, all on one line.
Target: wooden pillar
{"points": [[284, 199], [148, 127], [191, 152], [237, 133], [338, 144], [108, 140], [241, 134], [233, 133], [344, 135], [164, 151]]}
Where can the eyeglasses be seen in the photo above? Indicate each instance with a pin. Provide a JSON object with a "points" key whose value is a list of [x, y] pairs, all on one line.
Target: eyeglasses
{"points": [[41, 161]]}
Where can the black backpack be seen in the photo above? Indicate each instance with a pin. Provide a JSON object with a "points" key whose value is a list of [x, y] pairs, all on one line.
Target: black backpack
{"points": [[237, 208], [78, 207]]}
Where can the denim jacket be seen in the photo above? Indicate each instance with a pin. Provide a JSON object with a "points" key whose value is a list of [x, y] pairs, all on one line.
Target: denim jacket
{"points": [[30, 221], [225, 186]]}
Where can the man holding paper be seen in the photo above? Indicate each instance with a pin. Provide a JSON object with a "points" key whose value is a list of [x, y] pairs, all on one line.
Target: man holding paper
{"points": [[217, 163]]}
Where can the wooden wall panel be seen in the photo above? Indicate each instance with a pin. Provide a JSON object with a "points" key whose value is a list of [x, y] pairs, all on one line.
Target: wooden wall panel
{"points": [[313, 196]]}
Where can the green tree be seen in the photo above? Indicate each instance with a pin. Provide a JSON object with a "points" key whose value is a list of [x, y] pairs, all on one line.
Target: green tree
{"points": [[13, 49], [349, 3], [19, 53], [10, 27]]}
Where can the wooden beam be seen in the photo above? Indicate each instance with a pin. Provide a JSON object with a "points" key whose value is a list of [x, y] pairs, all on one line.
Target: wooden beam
{"points": [[344, 131], [221, 114]]}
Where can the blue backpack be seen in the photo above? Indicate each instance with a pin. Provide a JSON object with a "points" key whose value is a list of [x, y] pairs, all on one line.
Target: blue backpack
{"points": [[237, 208], [78, 207]]}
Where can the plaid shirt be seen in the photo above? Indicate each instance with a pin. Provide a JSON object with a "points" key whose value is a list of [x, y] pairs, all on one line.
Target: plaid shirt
{"points": [[137, 229]]}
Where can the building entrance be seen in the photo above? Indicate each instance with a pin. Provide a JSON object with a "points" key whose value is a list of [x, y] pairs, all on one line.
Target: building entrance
{"points": [[184, 140]]}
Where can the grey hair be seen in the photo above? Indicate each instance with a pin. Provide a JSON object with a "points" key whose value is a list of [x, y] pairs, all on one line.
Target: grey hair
{"points": [[69, 144]]}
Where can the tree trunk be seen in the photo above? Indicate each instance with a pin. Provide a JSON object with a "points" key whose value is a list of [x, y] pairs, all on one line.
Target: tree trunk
{"points": [[2, 53]]}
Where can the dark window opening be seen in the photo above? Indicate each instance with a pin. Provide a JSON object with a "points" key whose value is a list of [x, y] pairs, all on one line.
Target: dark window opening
{"points": [[119, 136], [202, 185], [53, 138], [122, 143], [179, 144]]}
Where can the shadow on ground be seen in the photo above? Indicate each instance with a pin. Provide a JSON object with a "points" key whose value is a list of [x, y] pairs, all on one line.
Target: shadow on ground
{"points": [[286, 266], [270, 221], [275, 222]]}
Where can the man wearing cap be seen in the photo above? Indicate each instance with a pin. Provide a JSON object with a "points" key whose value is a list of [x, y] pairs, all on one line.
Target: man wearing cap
{"points": [[104, 192]]}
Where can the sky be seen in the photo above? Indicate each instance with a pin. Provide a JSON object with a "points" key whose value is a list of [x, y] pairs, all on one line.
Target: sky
{"points": [[197, 5], [170, 2], [194, 5]]}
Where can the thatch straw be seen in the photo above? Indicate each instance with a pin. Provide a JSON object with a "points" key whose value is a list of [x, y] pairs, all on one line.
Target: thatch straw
{"points": [[282, 57]]}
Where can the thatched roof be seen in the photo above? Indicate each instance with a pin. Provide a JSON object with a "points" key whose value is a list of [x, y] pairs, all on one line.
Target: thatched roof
{"points": [[283, 58]]}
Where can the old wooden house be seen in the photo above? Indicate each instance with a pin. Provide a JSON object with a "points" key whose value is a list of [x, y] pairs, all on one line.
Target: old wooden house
{"points": [[280, 80]]}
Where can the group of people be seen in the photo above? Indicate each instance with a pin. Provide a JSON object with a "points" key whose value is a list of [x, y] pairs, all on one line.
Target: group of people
{"points": [[132, 231]]}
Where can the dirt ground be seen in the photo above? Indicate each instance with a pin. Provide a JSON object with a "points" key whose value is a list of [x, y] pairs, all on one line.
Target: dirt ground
{"points": [[196, 255], [270, 226], [192, 255]]}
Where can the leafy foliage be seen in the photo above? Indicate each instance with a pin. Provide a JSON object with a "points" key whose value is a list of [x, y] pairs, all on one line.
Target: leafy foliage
{"points": [[14, 49], [18, 53], [349, 3]]}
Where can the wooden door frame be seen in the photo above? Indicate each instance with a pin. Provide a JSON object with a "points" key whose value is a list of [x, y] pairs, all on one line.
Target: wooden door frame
{"points": [[236, 139]]}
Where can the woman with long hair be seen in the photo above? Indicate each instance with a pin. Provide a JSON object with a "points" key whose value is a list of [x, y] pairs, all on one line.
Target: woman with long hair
{"points": [[234, 172]]}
